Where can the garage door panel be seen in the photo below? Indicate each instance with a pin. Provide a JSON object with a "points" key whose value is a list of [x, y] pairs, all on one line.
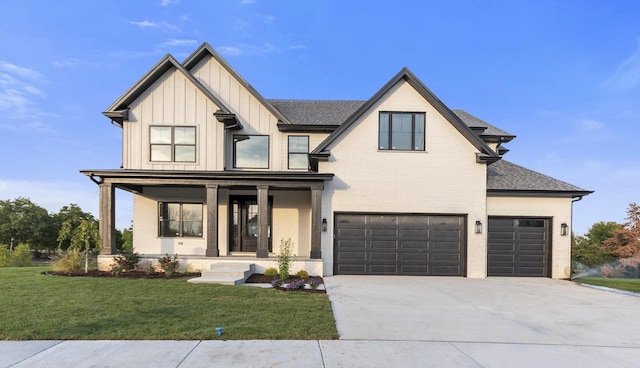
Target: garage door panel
{"points": [[351, 233], [345, 244], [518, 247], [351, 255], [403, 244]]}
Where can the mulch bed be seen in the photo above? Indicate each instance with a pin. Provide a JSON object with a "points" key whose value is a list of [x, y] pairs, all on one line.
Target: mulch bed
{"points": [[127, 275], [258, 278]]}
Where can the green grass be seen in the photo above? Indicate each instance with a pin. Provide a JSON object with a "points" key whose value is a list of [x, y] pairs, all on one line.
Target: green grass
{"points": [[37, 306], [622, 284]]}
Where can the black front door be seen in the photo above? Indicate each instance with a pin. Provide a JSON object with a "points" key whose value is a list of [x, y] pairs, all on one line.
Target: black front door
{"points": [[244, 224]]}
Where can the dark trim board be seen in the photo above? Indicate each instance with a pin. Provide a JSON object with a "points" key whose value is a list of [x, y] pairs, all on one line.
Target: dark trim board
{"points": [[519, 246], [399, 244]]}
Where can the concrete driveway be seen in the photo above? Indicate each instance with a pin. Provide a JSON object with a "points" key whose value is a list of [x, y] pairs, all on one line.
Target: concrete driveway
{"points": [[493, 322]]}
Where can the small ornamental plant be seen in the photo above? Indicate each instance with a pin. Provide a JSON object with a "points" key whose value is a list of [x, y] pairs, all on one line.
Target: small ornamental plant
{"points": [[314, 283], [302, 274], [295, 284], [283, 259], [169, 264], [276, 283], [271, 271], [124, 262]]}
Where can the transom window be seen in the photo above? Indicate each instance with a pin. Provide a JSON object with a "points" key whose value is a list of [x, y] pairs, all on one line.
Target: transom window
{"points": [[298, 152], [180, 220], [401, 131], [173, 143], [251, 151]]}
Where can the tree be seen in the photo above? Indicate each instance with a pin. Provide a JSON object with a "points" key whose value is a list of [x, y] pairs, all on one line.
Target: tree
{"points": [[625, 242], [78, 231], [588, 249], [69, 217], [22, 221], [127, 240]]}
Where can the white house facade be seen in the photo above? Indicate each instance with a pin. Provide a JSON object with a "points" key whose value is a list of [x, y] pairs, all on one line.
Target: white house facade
{"points": [[395, 185]]}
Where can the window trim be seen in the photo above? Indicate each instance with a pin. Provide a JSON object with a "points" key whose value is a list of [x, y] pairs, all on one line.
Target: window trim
{"points": [[235, 156], [413, 130], [289, 152], [173, 145], [181, 220]]}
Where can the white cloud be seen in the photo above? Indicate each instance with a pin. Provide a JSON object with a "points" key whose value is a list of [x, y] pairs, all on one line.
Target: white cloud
{"points": [[144, 24], [247, 2], [247, 49], [66, 62], [627, 75], [168, 2], [178, 42], [590, 125], [19, 71]]}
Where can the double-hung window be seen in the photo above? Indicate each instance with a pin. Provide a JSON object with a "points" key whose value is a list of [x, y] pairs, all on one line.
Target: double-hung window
{"points": [[173, 143], [403, 131], [251, 151], [298, 147], [180, 220]]}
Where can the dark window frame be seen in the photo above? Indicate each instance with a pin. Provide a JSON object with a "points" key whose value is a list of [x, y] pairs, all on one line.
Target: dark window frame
{"points": [[173, 145], [389, 145], [181, 221], [297, 153], [235, 153]]}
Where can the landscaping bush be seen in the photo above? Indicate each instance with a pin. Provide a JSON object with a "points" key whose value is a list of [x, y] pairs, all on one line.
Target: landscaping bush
{"points": [[5, 256], [123, 262], [68, 262], [284, 258], [169, 264], [302, 274], [21, 256], [271, 271]]}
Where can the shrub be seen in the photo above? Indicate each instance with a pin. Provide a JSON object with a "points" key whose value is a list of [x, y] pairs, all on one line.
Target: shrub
{"points": [[295, 284], [169, 264], [149, 268], [284, 258], [21, 256], [276, 283], [5, 256], [314, 283], [70, 261], [271, 271], [302, 274], [123, 262]]}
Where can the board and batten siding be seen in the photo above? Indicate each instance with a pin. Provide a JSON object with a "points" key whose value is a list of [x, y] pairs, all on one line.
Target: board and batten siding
{"points": [[173, 101], [443, 179], [558, 209], [252, 114]]}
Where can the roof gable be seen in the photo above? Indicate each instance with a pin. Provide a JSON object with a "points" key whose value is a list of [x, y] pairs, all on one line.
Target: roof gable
{"points": [[405, 74], [206, 50], [118, 111]]}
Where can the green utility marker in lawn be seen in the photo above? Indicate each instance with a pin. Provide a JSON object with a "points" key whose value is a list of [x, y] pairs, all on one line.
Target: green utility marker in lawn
{"points": [[43, 307]]}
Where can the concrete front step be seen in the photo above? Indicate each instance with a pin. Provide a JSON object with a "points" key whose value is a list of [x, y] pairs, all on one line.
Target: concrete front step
{"points": [[226, 274]]}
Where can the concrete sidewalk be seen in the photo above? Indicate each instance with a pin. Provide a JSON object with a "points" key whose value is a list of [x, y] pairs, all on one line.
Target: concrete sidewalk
{"points": [[325, 353], [403, 322]]}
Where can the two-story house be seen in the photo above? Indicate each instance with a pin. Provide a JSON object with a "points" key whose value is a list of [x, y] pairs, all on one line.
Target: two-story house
{"points": [[398, 184]]}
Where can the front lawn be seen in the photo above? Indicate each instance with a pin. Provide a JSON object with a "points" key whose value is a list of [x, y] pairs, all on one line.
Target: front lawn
{"points": [[622, 284], [37, 306]]}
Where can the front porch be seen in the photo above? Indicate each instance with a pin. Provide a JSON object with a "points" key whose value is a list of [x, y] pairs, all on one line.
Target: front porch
{"points": [[209, 217]]}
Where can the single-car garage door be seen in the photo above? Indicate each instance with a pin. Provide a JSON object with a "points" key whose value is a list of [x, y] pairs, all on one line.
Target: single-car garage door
{"points": [[399, 244], [518, 247]]}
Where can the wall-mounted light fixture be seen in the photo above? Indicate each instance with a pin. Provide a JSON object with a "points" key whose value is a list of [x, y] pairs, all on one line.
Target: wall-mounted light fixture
{"points": [[478, 227], [564, 229], [324, 225]]}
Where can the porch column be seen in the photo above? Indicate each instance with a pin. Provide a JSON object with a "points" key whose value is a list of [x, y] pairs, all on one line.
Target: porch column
{"points": [[316, 223], [107, 219], [263, 222], [212, 221]]}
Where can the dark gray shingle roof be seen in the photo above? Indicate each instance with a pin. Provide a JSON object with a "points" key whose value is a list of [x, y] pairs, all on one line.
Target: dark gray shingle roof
{"points": [[506, 176], [316, 112], [473, 121]]}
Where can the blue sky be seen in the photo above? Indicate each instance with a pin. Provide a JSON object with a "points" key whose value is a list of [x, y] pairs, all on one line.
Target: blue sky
{"points": [[562, 75]]}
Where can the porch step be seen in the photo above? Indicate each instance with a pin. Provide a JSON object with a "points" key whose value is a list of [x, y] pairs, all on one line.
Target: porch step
{"points": [[226, 274]]}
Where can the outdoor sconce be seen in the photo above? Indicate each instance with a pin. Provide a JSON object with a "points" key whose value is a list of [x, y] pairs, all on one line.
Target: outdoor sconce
{"points": [[324, 225], [564, 229], [478, 227]]}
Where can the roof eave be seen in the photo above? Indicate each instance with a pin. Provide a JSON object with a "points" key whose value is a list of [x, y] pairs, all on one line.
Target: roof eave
{"points": [[537, 193], [307, 128]]}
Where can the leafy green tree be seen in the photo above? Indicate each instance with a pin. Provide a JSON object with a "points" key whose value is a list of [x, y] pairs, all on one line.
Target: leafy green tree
{"points": [[80, 231], [24, 222], [127, 240], [589, 249], [67, 220], [625, 242]]}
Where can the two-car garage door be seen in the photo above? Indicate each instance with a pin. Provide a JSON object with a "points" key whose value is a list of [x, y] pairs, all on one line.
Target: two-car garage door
{"points": [[399, 244]]}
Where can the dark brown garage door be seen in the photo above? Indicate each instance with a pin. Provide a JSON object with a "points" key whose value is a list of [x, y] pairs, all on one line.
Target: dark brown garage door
{"points": [[518, 247], [393, 244]]}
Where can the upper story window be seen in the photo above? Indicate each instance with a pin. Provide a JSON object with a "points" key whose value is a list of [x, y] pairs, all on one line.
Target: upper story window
{"points": [[403, 131], [298, 147], [251, 151], [180, 220], [173, 143]]}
